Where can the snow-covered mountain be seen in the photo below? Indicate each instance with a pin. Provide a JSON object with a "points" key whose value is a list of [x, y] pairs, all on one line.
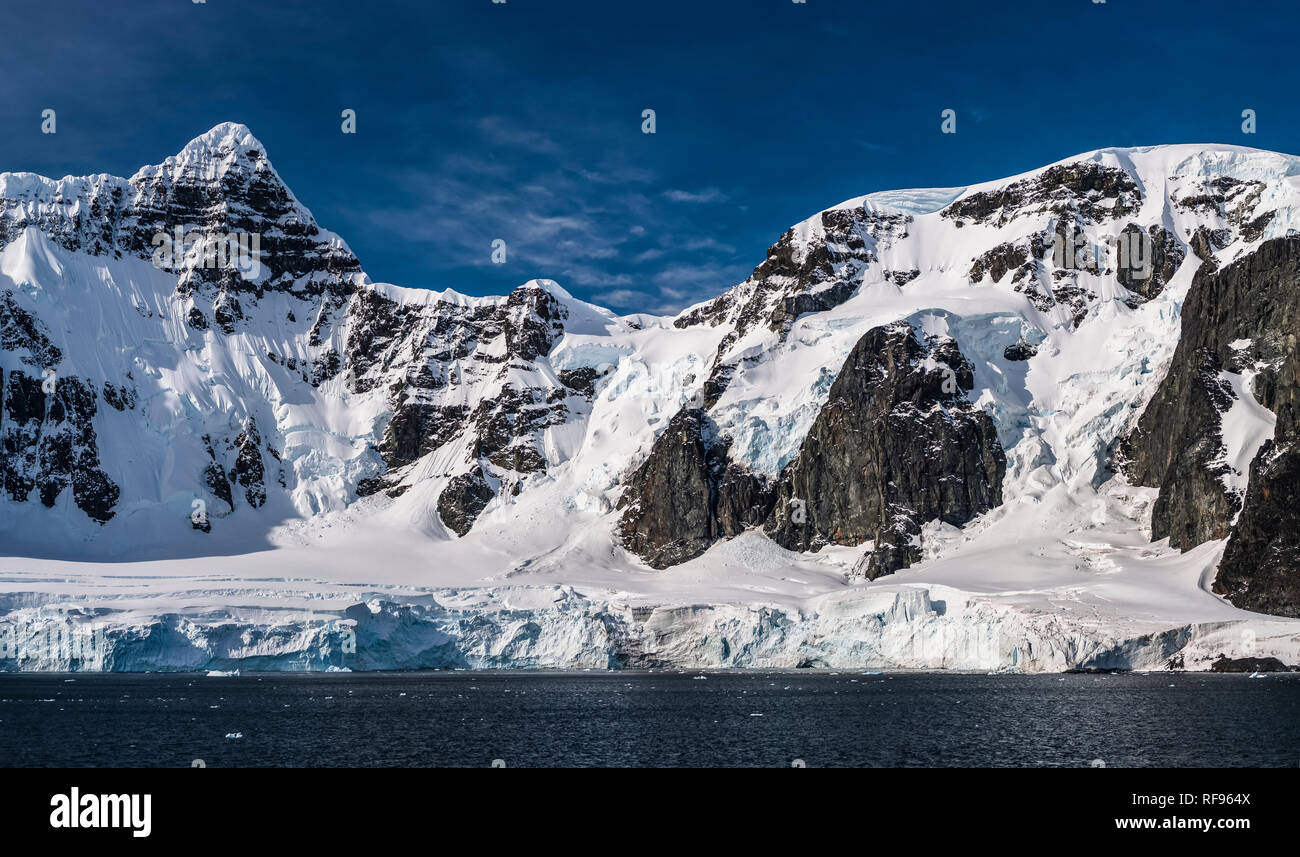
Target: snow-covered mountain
{"points": [[1042, 423]]}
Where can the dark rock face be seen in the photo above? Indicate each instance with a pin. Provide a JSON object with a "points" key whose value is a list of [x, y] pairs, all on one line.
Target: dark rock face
{"points": [[1260, 569], [20, 331], [214, 477], [417, 429], [1045, 267], [686, 495], [1020, 350], [119, 398], [507, 429], [902, 278], [249, 472], [896, 445], [581, 381], [744, 500], [48, 444], [1261, 564], [1230, 198], [793, 279], [426, 356], [1205, 241], [434, 351], [668, 517], [463, 500], [1253, 229], [1147, 271], [376, 328], [1177, 444], [238, 462], [1096, 192], [998, 261]]}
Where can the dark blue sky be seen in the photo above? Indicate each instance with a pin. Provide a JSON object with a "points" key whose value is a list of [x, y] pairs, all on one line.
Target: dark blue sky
{"points": [[522, 120]]}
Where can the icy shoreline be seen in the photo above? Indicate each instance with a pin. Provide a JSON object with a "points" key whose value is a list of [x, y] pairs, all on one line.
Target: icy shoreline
{"points": [[893, 628]]}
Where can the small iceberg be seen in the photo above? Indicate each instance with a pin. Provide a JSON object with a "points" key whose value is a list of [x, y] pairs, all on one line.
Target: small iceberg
{"points": [[234, 735], [1259, 675], [222, 673]]}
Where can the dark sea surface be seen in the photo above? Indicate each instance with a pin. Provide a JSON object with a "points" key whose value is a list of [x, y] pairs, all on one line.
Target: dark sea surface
{"points": [[530, 719]]}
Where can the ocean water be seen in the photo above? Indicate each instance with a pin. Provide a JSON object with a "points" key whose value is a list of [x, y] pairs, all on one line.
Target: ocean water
{"points": [[758, 719]]}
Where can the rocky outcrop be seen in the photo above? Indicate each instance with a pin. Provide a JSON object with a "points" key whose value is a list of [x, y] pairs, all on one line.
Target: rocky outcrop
{"points": [[1178, 447], [418, 428], [121, 398], [21, 332], [48, 443], [1001, 259], [686, 495], [464, 499], [214, 477], [249, 471], [806, 272], [1260, 569], [1250, 665], [896, 445], [668, 507], [1147, 260], [431, 358], [1238, 320], [1096, 192], [1020, 350], [744, 500]]}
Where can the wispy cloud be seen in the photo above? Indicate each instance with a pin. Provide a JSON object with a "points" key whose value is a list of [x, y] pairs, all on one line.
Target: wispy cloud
{"points": [[873, 147], [702, 197], [499, 131], [592, 227]]}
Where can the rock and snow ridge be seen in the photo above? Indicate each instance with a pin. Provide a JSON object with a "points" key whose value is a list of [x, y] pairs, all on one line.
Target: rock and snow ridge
{"points": [[396, 478]]}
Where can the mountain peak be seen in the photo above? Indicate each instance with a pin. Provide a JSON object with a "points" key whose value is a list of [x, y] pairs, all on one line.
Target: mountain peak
{"points": [[550, 286], [214, 153], [224, 137]]}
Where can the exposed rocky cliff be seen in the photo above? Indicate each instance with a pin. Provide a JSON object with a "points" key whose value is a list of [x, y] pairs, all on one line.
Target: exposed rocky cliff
{"points": [[671, 499], [1238, 339], [896, 446], [468, 376]]}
